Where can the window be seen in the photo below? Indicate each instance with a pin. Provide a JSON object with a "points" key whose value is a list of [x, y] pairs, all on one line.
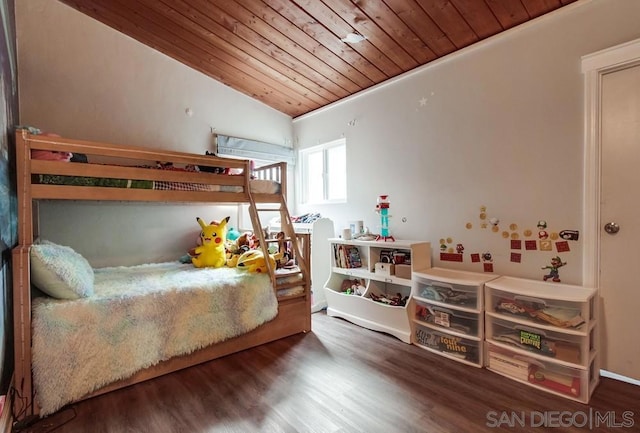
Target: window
{"points": [[323, 171]]}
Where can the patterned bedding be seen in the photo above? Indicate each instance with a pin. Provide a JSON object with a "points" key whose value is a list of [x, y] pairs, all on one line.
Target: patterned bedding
{"points": [[257, 185], [137, 317]]}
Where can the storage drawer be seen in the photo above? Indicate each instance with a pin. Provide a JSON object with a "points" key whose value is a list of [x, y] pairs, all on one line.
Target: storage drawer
{"points": [[448, 293], [563, 380], [558, 313], [458, 347], [549, 343], [459, 321]]}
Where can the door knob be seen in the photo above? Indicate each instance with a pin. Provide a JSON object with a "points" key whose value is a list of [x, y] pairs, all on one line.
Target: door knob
{"points": [[611, 228]]}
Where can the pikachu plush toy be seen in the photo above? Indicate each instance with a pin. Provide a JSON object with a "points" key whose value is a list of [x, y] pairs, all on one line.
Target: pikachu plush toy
{"points": [[211, 251]]}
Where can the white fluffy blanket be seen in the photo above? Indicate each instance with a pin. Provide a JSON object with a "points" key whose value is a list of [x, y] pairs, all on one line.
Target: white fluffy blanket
{"points": [[138, 317]]}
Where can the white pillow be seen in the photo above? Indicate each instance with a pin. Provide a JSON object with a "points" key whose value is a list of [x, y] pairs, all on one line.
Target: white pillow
{"points": [[60, 272]]}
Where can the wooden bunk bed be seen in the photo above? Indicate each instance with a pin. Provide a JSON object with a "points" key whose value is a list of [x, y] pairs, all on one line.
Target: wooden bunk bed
{"points": [[137, 163]]}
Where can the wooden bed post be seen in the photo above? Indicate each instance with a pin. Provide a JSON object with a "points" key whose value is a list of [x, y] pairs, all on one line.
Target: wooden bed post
{"points": [[23, 183], [23, 400], [23, 405]]}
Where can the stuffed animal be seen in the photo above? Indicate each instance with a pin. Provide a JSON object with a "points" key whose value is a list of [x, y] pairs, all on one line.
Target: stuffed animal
{"points": [[254, 261], [232, 259], [211, 251], [235, 247], [248, 240], [233, 234], [284, 248], [51, 155]]}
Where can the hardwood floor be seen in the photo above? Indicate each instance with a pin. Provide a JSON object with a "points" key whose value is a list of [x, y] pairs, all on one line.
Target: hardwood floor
{"points": [[340, 378]]}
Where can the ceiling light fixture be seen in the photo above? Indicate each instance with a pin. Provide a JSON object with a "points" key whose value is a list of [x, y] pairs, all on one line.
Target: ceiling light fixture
{"points": [[353, 38]]}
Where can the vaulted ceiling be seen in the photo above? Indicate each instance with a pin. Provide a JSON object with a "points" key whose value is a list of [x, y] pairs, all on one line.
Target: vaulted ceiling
{"points": [[290, 55]]}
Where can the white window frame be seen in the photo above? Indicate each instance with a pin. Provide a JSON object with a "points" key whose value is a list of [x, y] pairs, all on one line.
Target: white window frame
{"points": [[303, 172]]}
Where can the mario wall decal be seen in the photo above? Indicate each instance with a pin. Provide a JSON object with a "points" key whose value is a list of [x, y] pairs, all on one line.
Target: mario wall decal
{"points": [[537, 237], [554, 275]]}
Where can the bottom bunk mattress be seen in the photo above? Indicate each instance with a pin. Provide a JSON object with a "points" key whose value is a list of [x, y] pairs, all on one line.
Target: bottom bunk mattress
{"points": [[137, 317]]}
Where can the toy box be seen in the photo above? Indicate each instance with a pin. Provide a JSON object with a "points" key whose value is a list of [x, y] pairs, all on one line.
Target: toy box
{"points": [[403, 271], [384, 268]]}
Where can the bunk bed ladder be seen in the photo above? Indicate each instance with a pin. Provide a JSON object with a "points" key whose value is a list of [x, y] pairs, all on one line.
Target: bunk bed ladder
{"points": [[302, 261]]}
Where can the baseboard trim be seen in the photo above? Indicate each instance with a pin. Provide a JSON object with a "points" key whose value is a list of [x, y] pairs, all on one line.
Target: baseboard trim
{"points": [[605, 373]]}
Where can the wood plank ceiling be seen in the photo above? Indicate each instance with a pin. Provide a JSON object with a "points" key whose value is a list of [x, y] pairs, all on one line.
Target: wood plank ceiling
{"points": [[289, 54]]}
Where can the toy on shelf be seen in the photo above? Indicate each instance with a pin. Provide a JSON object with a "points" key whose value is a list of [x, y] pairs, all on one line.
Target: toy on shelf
{"points": [[382, 209]]}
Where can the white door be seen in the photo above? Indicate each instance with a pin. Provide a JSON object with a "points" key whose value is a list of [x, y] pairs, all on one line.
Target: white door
{"points": [[620, 209]]}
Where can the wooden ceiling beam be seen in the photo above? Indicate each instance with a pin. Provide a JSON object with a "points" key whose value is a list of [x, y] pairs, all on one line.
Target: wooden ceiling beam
{"points": [[316, 31], [535, 8], [384, 17], [301, 80], [203, 63], [289, 54], [312, 47], [366, 26], [422, 25], [450, 21], [509, 13], [167, 30], [479, 17], [263, 36], [332, 21]]}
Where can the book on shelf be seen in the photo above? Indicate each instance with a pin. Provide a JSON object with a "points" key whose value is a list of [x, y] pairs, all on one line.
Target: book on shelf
{"points": [[353, 257], [347, 256], [338, 253]]}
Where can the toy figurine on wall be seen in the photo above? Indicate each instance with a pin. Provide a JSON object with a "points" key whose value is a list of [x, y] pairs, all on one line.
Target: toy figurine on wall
{"points": [[556, 263], [382, 209]]}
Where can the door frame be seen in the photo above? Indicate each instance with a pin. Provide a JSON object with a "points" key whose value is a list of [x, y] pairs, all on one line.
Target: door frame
{"points": [[594, 66]]}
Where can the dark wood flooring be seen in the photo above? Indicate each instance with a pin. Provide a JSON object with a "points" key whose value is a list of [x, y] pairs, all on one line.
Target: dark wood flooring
{"points": [[341, 378]]}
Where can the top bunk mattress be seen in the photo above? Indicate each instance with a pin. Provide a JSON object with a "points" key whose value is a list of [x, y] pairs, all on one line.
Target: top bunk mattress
{"points": [[53, 162], [259, 186]]}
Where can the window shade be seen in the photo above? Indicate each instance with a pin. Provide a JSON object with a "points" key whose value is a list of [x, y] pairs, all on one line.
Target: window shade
{"points": [[251, 149]]}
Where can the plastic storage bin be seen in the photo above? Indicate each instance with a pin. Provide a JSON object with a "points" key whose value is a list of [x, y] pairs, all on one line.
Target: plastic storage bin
{"points": [[539, 311], [460, 289], [447, 344], [552, 377], [454, 320], [548, 343]]}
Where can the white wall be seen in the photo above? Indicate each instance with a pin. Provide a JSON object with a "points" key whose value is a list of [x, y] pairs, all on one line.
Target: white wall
{"points": [[497, 125], [82, 79]]}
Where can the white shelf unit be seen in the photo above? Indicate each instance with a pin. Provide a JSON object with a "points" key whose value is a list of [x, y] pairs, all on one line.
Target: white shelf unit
{"points": [[447, 313], [543, 335], [360, 308]]}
